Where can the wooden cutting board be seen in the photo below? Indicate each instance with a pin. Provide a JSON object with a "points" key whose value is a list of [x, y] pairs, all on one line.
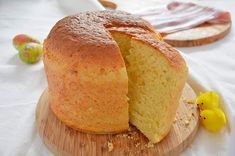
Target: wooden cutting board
{"points": [[65, 141], [201, 35]]}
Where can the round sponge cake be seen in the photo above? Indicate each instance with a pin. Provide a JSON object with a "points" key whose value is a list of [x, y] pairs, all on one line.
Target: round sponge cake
{"points": [[107, 68]]}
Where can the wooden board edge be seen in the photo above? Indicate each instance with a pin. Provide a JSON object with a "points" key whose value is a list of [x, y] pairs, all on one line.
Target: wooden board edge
{"points": [[199, 42]]}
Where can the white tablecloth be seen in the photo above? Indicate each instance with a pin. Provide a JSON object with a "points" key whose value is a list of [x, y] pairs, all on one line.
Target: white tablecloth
{"points": [[212, 66]]}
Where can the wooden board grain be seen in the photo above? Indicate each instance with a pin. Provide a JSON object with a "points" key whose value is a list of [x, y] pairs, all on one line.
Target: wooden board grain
{"points": [[201, 35], [65, 141]]}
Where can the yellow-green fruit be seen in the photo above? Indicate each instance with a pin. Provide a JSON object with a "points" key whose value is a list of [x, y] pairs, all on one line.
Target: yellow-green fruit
{"points": [[213, 119], [31, 53], [208, 100], [20, 40]]}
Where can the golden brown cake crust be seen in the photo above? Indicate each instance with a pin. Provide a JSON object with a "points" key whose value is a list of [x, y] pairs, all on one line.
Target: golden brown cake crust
{"points": [[88, 30], [88, 34], [83, 65]]}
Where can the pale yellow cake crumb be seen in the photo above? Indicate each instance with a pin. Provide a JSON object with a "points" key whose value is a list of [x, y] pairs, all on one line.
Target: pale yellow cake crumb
{"points": [[149, 145], [124, 135], [137, 144], [189, 101], [110, 146], [186, 122], [130, 154]]}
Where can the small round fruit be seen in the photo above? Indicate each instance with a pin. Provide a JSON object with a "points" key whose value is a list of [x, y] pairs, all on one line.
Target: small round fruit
{"points": [[20, 40], [31, 53]]}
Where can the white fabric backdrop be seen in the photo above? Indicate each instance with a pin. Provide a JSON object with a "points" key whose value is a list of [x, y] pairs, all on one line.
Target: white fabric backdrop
{"points": [[21, 85]]}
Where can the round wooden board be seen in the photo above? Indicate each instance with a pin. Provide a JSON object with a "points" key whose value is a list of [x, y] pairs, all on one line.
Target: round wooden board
{"points": [[62, 140], [204, 34]]}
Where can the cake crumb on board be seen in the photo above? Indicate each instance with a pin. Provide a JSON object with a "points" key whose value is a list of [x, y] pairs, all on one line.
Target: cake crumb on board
{"points": [[186, 122], [149, 145], [130, 154], [189, 101], [110, 146], [137, 144]]}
